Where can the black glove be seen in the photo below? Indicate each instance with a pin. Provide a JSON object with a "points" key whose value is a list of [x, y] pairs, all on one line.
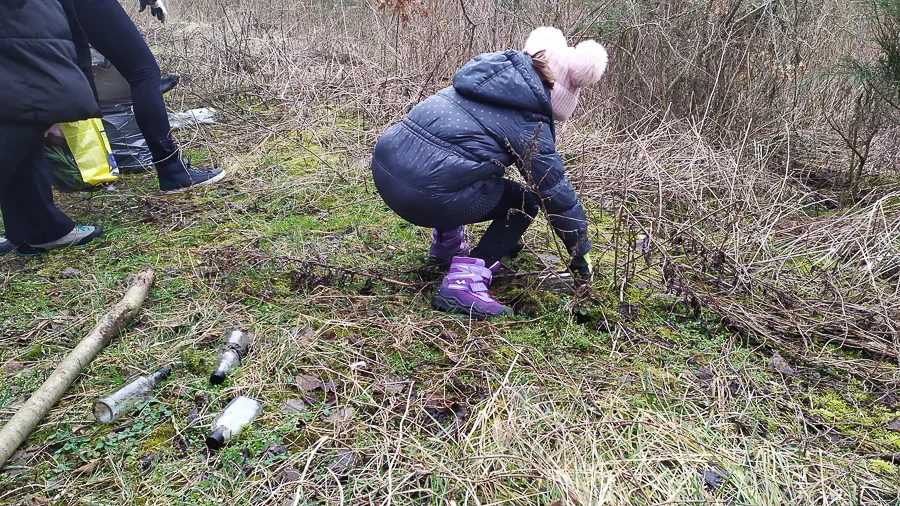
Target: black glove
{"points": [[169, 82], [581, 267], [13, 4], [157, 9]]}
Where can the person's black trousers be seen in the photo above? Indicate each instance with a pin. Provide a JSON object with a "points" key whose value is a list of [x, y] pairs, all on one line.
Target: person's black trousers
{"points": [[26, 199], [509, 219], [111, 32]]}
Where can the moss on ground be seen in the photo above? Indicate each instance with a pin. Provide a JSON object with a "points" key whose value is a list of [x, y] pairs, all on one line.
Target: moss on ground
{"points": [[561, 399]]}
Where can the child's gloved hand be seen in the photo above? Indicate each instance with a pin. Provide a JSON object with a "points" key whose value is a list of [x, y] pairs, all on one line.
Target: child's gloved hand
{"points": [[157, 9], [582, 268]]}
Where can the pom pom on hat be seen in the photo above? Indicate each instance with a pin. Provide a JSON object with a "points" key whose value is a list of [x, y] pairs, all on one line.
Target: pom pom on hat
{"points": [[573, 67], [544, 38], [589, 64]]}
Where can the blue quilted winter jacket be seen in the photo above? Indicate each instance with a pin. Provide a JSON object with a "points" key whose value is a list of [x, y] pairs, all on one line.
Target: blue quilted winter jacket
{"points": [[455, 145]]}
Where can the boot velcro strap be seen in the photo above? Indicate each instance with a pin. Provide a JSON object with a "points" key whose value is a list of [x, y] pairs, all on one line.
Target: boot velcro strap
{"points": [[478, 287], [482, 272], [453, 276]]}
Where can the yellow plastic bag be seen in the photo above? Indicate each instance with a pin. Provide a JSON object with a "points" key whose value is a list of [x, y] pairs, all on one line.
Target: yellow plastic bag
{"points": [[85, 162]]}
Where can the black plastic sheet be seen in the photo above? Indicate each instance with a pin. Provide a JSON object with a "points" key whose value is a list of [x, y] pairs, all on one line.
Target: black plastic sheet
{"points": [[129, 147]]}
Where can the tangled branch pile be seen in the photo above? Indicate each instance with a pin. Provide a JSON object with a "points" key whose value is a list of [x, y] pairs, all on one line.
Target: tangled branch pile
{"points": [[742, 241]]}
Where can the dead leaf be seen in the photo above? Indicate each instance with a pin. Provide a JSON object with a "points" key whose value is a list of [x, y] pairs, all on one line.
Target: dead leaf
{"points": [[287, 476], [689, 376], [714, 477], [69, 273], [201, 399], [293, 407], [13, 366], [391, 384], [355, 340], [460, 413], [782, 366], [87, 468], [330, 386], [449, 336], [705, 374], [307, 383], [340, 415], [438, 406], [302, 334], [17, 464], [147, 460], [894, 425], [20, 457], [342, 461], [276, 449], [556, 503], [627, 310], [193, 415], [35, 501], [454, 357]]}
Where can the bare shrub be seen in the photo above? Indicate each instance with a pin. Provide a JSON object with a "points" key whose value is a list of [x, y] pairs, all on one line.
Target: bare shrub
{"points": [[706, 150]]}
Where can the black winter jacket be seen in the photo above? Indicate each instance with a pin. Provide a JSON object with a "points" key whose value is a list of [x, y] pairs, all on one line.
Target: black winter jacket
{"points": [[44, 64]]}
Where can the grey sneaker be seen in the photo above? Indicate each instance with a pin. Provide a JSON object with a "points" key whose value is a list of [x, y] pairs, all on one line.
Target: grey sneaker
{"points": [[79, 236], [5, 246]]}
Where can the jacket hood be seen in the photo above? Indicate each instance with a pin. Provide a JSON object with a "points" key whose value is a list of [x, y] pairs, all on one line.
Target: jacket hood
{"points": [[506, 79]]}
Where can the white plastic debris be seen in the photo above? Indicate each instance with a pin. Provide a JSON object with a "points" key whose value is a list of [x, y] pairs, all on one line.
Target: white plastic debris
{"points": [[204, 115]]}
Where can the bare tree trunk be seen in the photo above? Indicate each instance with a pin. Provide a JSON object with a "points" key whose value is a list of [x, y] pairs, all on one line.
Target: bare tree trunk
{"points": [[38, 405]]}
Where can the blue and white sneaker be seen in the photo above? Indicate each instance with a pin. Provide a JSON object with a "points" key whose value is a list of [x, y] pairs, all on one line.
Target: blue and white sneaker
{"points": [[79, 236]]}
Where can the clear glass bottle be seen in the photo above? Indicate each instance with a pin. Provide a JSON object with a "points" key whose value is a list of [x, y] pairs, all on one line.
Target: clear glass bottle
{"points": [[234, 349], [237, 414], [112, 406]]}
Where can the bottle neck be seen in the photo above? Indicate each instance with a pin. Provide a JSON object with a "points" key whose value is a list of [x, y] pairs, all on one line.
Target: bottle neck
{"points": [[161, 374]]}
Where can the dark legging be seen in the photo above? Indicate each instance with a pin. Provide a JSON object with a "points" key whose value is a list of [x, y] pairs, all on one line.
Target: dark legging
{"points": [[510, 219], [111, 32], [26, 200]]}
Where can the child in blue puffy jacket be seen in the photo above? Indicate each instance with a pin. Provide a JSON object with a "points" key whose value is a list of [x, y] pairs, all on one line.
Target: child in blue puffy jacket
{"points": [[443, 166]]}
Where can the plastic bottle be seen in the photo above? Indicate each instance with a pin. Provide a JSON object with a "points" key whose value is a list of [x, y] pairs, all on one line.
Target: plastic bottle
{"points": [[112, 406], [234, 349], [237, 415]]}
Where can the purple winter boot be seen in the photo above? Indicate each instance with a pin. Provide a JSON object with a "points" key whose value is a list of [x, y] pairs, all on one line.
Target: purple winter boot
{"points": [[446, 244], [465, 290]]}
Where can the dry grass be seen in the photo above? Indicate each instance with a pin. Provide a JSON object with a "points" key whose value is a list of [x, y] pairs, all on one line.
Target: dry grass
{"points": [[698, 139], [748, 244]]}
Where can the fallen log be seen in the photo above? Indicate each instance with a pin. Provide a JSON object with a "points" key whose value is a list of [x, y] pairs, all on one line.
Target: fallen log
{"points": [[23, 423]]}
